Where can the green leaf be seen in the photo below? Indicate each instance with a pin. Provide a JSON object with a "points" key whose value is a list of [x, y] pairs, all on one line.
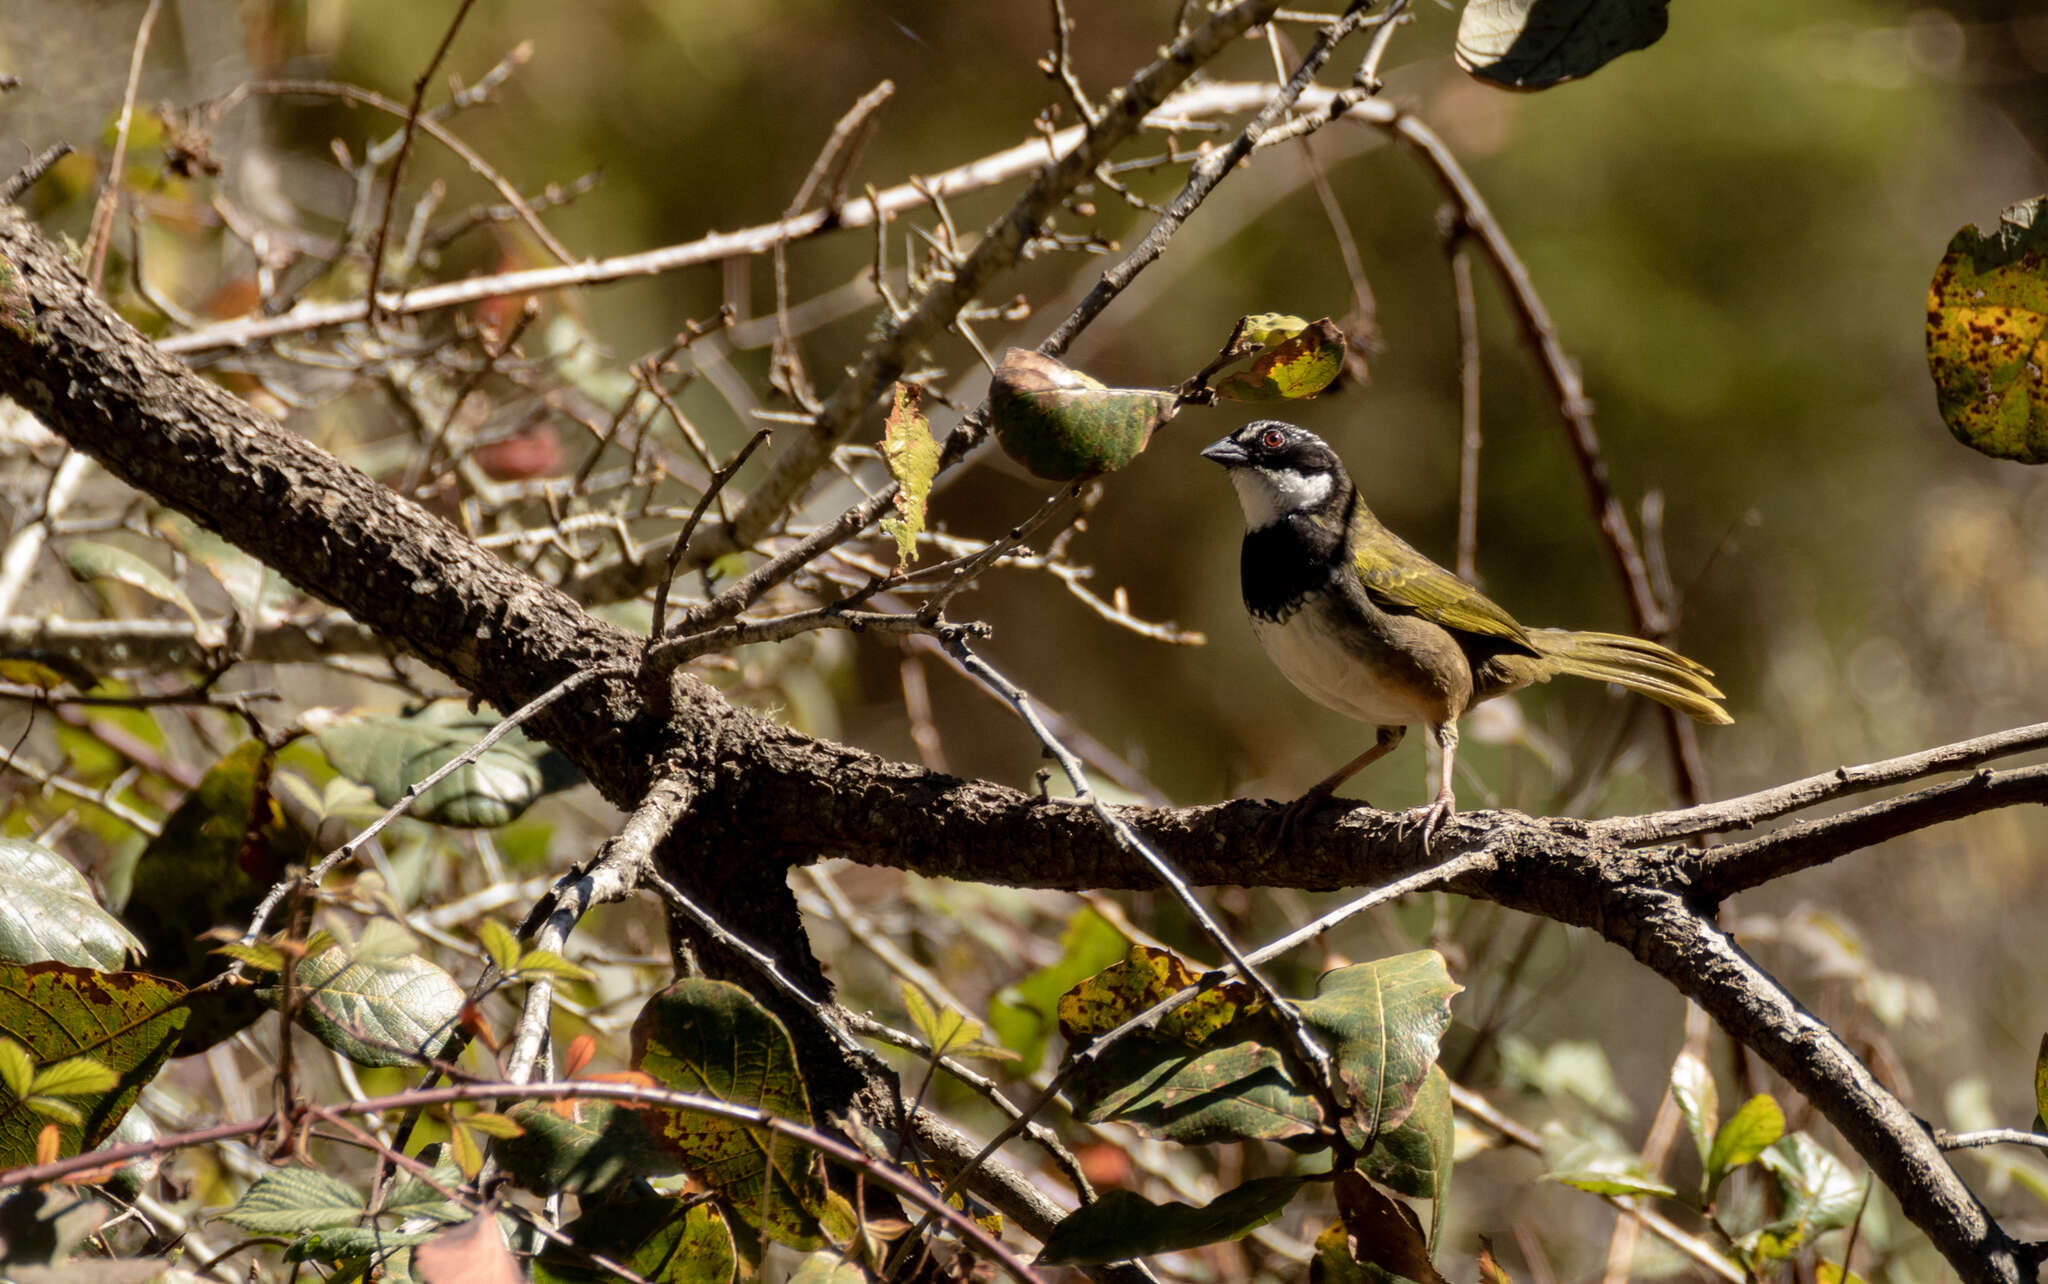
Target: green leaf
{"points": [[46, 670], [1121, 1225], [1987, 310], [499, 944], [548, 963], [1061, 424], [913, 458], [416, 1197], [1534, 44], [660, 1239], [1386, 1020], [17, 1068], [226, 843], [949, 1033], [74, 1077], [1234, 1088], [102, 564], [711, 1037], [293, 1201], [1600, 1163], [338, 1244], [1818, 1192], [1414, 1159], [1023, 1015], [580, 1146], [391, 755], [126, 1023], [1382, 1231], [1698, 1102], [378, 1008], [1748, 1131], [1568, 1070], [1298, 365], [49, 914]]}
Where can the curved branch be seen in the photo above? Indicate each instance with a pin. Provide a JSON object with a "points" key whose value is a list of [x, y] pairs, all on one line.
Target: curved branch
{"points": [[1798, 795], [769, 796]]}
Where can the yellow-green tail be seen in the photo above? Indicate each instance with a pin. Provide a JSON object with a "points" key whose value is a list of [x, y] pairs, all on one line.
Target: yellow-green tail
{"points": [[1640, 665]]}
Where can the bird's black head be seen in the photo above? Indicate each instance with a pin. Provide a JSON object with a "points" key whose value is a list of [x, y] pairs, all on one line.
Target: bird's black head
{"points": [[1280, 470]]}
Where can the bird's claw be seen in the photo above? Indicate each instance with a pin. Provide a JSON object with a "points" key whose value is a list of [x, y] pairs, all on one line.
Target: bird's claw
{"points": [[1432, 815]]}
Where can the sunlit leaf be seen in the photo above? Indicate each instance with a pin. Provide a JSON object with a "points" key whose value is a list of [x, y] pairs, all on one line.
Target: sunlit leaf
{"points": [[949, 1033], [48, 912], [1061, 424], [1122, 1225], [101, 564], [378, 1009], [291, 1201], [1292, 367], [100, 1036], [711, 1037], [662, 1239], [1987, 335], [1146, 977], [1698, 1101], [1533, 44], [1601, 1163], [2041, 1080], [1385, 1020], [1023, 1015], [1748, 1131], [913, 458], [391, 755]]}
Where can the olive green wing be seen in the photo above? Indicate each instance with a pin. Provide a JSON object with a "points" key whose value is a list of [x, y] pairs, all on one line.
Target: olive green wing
{"points": [[1398, 577]]}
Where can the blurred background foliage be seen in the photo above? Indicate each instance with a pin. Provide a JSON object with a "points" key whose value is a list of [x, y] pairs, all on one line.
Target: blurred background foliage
{"points": [[1734, 231]]}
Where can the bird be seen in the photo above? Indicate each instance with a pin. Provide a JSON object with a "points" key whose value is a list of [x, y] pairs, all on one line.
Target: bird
{"points": [[1362, 622]]}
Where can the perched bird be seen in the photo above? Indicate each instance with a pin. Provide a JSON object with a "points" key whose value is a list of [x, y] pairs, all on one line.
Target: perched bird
{"points": [[1363, 623]]}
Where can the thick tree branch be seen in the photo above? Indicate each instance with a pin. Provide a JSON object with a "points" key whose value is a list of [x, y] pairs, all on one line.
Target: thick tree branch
{"points": [[768, 797]]}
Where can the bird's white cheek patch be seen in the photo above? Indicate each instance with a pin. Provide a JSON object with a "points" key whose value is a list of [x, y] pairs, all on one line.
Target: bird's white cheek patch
{"points": [[1267, 495]]}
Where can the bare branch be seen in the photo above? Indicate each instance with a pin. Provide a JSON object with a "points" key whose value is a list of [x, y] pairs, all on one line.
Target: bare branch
{"points": [[1798, 795], [412, 122]]}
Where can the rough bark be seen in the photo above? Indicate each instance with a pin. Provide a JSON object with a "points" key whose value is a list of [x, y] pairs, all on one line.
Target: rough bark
{"points": [[768, 797]]}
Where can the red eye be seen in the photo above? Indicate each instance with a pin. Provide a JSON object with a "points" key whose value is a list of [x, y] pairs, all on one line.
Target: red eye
{"points": [[1272, 439]]}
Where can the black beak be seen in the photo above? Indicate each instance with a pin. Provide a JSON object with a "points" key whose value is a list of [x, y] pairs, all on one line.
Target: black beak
{"points": [[1226, 452]]}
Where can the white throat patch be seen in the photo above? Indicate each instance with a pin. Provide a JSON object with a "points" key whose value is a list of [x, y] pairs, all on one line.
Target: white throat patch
{"points": [[1267, 495]]}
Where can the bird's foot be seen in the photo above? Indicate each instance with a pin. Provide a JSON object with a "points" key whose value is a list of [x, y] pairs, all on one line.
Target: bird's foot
{"points": [[1431, 814]]}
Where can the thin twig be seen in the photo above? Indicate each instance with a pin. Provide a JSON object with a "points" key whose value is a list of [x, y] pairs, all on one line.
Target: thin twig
{"points": [[1312, 1058], [998, 167], [412, 121], [712, 491], [101, 233], [691, 1103], [25, 177], [1769, 804], [1208, 171], [1469, 439]]}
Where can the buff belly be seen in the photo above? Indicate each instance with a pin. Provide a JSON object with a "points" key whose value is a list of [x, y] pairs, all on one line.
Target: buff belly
{"points": [[1338, 662]]}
